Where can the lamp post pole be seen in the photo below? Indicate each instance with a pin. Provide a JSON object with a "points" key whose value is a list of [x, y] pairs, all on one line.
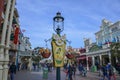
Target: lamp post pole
{"points": [[58, 26]]}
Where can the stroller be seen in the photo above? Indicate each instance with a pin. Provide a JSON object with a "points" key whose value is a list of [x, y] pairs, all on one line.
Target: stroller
{"points": [[84, 72]]}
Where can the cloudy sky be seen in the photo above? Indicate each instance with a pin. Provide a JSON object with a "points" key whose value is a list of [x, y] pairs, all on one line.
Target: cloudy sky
{"points": [[82, 18]]}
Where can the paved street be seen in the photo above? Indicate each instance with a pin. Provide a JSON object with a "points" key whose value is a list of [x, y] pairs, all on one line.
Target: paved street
{"points": [[26, 75], [34, 75]]}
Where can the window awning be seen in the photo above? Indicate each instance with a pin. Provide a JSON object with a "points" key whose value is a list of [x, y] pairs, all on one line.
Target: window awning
{"points": [[82, 57]]}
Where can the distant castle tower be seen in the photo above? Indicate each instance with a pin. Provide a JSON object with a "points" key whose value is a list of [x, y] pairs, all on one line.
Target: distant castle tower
{"points": [[87, 43]]}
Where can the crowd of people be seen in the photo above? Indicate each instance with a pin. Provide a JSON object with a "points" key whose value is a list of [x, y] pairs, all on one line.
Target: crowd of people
{"points": [[70, 70], [40, 66], [108, 71], [13, 68], [105, 71]]}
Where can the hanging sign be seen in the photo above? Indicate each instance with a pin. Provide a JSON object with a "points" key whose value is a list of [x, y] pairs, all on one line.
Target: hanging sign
{"points": [[58, 49]]}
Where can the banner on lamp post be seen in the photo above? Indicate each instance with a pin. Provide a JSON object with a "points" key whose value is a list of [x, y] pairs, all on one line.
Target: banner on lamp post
{"points": [[16, 34], [58, 49]]}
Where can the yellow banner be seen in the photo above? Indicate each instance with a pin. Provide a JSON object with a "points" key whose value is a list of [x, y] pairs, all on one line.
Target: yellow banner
{"points": [[58, 53]]}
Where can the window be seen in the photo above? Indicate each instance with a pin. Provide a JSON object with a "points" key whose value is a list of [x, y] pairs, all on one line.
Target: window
{"points": [[114, 29]]}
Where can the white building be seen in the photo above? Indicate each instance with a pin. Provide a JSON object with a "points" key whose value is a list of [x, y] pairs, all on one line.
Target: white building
{"points": [[25, 51], [109, 32], [99, 51]]}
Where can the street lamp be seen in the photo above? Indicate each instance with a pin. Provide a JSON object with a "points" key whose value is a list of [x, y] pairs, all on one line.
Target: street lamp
{"points": [[58, 23], [58, 26]]}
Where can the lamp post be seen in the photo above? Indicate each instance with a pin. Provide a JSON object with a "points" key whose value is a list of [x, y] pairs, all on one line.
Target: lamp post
{"points": [[58, 23], [58, 26]]}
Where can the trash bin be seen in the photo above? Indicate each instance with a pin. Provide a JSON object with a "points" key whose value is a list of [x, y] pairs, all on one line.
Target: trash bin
{"points": [[94, 69], [45, 73]]}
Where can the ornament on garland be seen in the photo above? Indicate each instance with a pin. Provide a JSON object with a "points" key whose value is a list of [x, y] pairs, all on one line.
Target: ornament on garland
{"points": [[59, 40], [70, 53], [45, 52]]}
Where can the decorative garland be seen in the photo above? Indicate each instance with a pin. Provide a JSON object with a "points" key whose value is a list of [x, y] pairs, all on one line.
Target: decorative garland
{"points": [[59, 40], [69, 53]]}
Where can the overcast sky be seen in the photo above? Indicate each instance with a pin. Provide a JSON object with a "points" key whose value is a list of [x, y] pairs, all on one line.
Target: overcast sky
{"points": [[82, 18]]}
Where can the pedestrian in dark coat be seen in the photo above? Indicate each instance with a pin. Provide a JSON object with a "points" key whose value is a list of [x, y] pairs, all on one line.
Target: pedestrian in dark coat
{"points": [[80, 68], [70, 72], [74, 69], [12, 70], [105, 72]]}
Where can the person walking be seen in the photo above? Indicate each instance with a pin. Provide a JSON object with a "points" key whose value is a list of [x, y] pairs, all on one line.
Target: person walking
{"points": [[70, 72], [74, 69], [34, 66], [100, 71], [111, 72], [118, 67], [80, 68], [104, 70], [19, 66], [66, 71], [12, 71]]}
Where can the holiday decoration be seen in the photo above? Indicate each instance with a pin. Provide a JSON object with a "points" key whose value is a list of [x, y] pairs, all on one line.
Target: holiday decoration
{"points": [[58, 49], [70, 53], [45, 52]]}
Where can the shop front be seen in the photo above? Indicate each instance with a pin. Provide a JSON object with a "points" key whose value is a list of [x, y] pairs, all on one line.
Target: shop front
{"points": [[86, 61]]}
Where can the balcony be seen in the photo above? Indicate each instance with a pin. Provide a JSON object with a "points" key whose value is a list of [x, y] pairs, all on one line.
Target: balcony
{"points": [[13, 46], [25, 53]]}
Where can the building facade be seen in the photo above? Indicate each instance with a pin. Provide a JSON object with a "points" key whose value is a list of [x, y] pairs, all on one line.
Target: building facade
{"points": [[10, 37], [7, 7], [100, 51], [109, 32]]}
